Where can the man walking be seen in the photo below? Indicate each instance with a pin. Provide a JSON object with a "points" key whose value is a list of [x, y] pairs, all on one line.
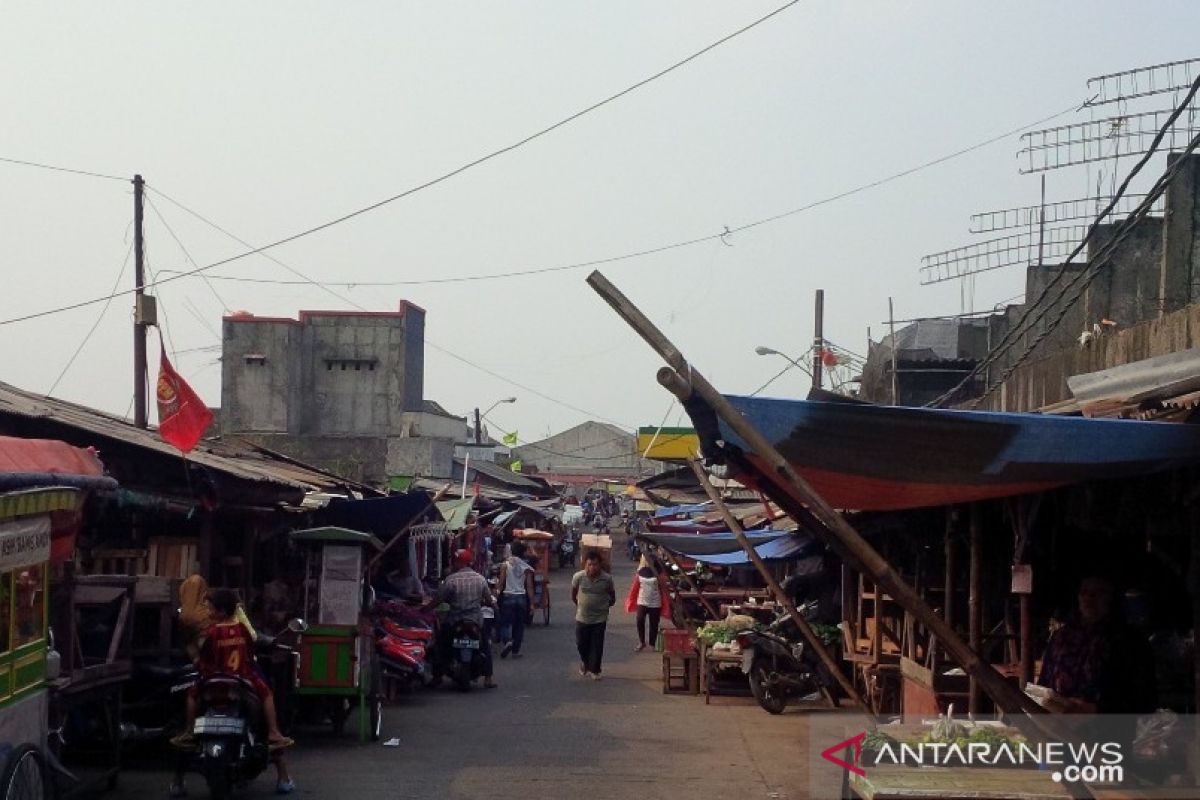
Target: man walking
{"points": [[516, 586], [593, 593]]}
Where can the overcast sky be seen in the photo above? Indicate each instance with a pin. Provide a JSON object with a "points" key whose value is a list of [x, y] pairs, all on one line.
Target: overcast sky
{"points": [[269, 118]]}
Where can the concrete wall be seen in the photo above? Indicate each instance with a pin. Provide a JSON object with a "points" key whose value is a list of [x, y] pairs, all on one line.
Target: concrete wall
{"points": [[1125, 290], [590, 447], [429, 458], [354, 375], [260, 375], [357, 458], [1041, 382], [419, 423]]}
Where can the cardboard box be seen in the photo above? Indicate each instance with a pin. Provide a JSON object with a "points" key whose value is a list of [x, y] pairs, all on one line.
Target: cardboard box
{"points": [[599, 543]]}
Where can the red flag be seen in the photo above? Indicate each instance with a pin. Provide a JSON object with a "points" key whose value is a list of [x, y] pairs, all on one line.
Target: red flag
{"points": [[182, 415]]}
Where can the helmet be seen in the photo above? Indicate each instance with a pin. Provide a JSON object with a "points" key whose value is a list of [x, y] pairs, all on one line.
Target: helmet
{"points": [[464, 558]]}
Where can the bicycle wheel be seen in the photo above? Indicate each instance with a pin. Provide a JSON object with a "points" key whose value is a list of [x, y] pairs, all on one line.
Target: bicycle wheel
{"points": [[24, 775]]}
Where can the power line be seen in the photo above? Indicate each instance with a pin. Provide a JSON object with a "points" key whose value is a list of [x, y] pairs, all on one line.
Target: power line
{"points": [[23, 163], [675, 245], [310, 281], [187, 255], [459, 170], [574, 266], [88, 336]]}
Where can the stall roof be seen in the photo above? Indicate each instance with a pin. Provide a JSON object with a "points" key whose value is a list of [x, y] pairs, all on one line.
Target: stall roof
{"points": [[336, 535], [456, 512], [723, 548], [382, 516], [26, 463], [87, 427]]}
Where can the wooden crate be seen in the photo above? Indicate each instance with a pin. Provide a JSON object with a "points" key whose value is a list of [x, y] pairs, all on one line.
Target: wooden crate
{"points": [[681, 673]]}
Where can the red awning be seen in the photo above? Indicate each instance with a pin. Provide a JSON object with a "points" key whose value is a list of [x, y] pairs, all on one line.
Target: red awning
{"points": [[47, 456]]}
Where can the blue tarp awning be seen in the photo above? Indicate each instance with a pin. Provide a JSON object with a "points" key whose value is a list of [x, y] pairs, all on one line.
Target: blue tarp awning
{"points": [[723, 548]]}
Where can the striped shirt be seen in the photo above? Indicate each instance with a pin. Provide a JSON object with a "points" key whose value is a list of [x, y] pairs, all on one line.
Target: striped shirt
{"points": [[466, 592]]}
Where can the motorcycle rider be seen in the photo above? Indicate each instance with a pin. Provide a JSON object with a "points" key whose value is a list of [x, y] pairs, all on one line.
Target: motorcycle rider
{"points": [[467, 592], [225, 650]]}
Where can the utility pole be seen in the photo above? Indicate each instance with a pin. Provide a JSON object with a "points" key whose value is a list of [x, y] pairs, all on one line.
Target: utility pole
{"points": [[892, 329], [818, 340], [478, 428], [139, 307]]}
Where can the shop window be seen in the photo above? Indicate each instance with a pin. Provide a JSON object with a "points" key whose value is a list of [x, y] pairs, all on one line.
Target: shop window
{"points": [[29, 617]]}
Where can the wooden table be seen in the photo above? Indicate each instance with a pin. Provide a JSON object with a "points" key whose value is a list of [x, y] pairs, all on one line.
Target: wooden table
{"points": [[712, 660]]}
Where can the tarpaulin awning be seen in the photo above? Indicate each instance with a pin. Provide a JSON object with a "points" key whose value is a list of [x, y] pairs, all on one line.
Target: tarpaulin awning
{"points": [[723, 548], [382, 516], [880, 458], [47, 462], [455, 512], [688, 509]]}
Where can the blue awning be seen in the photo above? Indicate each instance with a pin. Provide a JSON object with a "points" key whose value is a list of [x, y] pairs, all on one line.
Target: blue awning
{"points": [[723, 548]]}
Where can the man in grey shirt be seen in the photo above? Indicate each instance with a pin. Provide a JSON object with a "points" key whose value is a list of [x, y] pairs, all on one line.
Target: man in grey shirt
{"points": [[593, 593]]}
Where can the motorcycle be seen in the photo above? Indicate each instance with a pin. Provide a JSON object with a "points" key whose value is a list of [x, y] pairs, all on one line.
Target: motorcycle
{"points": [[461, 657], [152, 708], [566, 552], [779, 665], [403, 652], [231, 737]]}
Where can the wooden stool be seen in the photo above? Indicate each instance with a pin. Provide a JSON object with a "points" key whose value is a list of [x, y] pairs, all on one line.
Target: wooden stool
{"points": [[680, 673]]}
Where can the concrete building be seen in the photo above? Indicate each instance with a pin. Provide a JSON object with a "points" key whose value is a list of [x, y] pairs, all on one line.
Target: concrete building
{"points": [[340, 389], [585, 454], [1135, 303]]}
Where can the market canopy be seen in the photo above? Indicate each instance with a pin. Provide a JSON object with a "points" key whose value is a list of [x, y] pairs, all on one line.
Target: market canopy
{"points": [[456, 512], [723, 548], [865, 457], [26, 463]]}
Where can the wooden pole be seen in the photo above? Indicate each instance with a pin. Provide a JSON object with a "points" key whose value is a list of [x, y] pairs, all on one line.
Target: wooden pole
{"points": [[683, 576], [139, 291], [892, 329], [786, 480], [818, 340], [975, 607], [948, 609], [1026, 638], [781, 596]]}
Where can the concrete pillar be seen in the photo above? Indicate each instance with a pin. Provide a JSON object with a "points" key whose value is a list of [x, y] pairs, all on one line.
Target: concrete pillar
{"points": [[1178, 270]]}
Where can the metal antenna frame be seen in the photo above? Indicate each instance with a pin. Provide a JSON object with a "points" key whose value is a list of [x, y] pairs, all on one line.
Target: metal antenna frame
{"points": [[1101, 139], [1056, 212], [1006, 251], [1170, 76]]}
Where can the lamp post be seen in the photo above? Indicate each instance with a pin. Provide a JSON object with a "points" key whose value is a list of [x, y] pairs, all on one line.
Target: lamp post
{"points": [[770, 351], [479, 416]]}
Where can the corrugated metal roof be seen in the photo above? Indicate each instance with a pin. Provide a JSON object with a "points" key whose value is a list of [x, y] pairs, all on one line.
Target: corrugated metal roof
{"points": [[236, 460]]}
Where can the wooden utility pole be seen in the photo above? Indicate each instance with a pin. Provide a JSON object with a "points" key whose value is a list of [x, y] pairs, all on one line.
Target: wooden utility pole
{"points": [[974, 601], [818, 340], [139, 308], [781, 597], [682, 379], [892, 332]]}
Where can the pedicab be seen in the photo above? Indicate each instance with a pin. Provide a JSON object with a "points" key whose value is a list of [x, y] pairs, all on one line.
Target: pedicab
{"points": [[337, 662], [43, 485], [537, 556]]}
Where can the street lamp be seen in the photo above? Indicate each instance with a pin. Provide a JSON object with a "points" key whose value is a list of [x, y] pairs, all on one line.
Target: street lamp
{"points": [[770, 351], [478, 426]]}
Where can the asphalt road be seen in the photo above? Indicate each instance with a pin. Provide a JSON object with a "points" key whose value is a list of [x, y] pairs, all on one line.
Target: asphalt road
{"points": [[547, 733]]}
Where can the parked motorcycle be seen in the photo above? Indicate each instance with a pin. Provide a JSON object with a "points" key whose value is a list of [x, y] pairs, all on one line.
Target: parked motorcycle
{"points": [[778, 662], [153, 705], [403, 652]]}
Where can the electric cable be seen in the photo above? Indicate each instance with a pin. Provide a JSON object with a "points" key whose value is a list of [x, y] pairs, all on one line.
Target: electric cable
{"points": [[24, 163], [87, 336], [575, 266]]}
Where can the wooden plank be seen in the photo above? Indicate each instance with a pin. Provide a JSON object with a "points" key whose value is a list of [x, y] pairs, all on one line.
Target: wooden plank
{"points": [[114, 646]]}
